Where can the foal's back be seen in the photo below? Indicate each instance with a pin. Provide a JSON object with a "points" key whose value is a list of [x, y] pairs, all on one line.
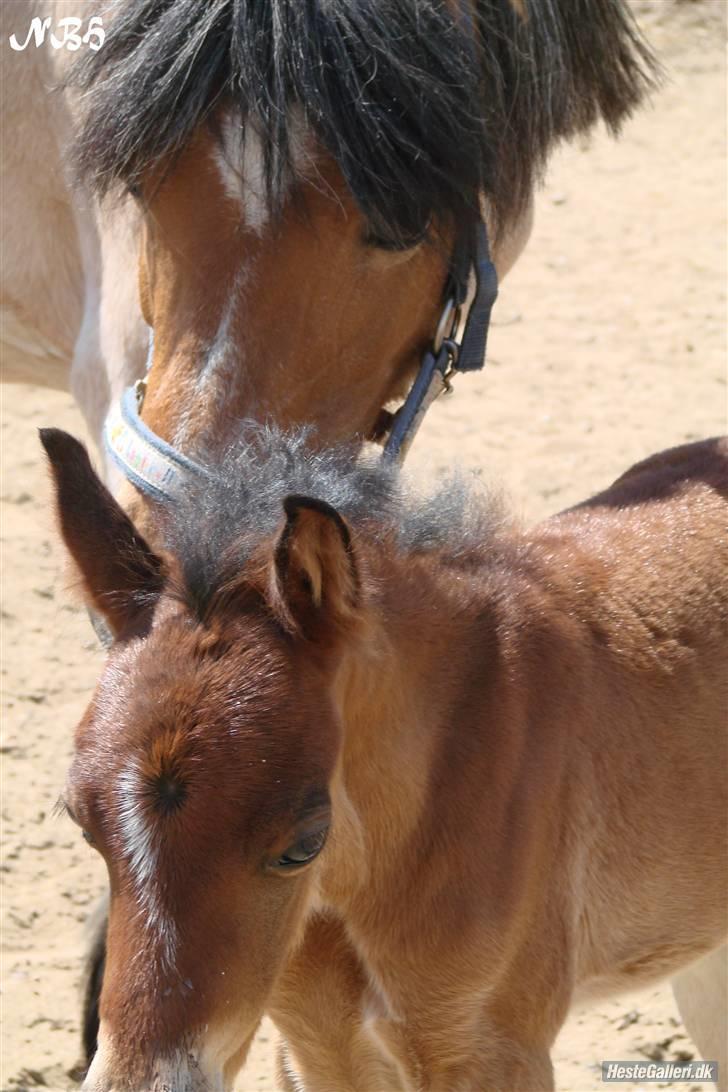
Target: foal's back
{"points": [[642, 568], [655, 545]]}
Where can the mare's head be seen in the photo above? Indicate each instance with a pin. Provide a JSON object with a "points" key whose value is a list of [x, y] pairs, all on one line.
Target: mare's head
{"points": [[303, 170], [203, 765]]}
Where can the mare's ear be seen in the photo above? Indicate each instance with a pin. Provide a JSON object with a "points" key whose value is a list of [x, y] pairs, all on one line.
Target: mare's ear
{"points": [[315, 578], [122, 577]]}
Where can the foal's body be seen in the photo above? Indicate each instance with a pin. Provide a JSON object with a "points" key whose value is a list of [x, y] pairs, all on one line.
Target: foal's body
{"points": [[537, 762], [527, 784]]}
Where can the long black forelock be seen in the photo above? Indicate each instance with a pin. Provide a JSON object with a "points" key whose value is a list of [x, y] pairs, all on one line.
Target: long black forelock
{"points": [[422, 103]]}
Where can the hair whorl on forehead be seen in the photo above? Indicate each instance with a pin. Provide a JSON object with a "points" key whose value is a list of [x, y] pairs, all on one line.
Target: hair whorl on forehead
{"points": [[422, 103]]}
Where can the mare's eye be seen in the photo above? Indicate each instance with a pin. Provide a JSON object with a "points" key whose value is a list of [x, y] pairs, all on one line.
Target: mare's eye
{"points": [[302, 851], [87, 837], [381, 240], [396, 246]]}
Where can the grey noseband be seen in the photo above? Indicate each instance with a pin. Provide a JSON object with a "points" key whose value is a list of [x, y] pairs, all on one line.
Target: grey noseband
{"points": [[148, 461]]}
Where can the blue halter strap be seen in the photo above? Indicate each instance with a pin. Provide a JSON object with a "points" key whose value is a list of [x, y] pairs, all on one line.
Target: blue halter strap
{"points": [[457, 346]]}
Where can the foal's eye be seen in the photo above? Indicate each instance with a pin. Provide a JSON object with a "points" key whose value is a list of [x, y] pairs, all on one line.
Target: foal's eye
{"points": [[63, 805], [302, 851]]}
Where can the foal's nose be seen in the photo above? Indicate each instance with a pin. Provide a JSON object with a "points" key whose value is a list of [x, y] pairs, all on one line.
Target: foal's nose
{"points": [[179, 1072]]}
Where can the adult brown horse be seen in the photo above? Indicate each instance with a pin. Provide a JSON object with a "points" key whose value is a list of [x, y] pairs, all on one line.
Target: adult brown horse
{"points": [[398, 772], [288, 179]]}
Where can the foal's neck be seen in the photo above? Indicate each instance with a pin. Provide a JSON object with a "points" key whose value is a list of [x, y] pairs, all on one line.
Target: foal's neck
{"points": [[397, 691]]}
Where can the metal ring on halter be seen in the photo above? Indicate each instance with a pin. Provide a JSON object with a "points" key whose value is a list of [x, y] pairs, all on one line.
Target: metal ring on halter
{"points": [[452, 348], [140, 390], [448, 324]]}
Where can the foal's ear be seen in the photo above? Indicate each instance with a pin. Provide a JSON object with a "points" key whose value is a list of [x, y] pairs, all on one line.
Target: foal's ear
{"points": [[122, 577], [315, 577]]}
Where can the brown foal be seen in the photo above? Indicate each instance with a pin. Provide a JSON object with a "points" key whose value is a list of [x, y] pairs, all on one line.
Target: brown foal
{"points": [[399, 773]]}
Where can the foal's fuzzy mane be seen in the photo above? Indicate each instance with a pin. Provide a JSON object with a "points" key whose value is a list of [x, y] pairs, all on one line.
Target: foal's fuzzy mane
{"points": [[219, 523], [422, 103]]}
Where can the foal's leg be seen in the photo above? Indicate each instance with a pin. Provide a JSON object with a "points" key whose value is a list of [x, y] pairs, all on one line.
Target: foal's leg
{"points": [[529, 1071], [701, 992], [502, 1044], [319, 1007], [503, 1066]]}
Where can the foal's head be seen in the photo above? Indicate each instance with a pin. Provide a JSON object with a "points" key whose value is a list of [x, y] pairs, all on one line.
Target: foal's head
{"points": [[202, 768], [303, 171]]}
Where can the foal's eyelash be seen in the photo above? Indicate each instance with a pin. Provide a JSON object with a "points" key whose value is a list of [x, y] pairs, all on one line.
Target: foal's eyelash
{"points": [[61, 809]]}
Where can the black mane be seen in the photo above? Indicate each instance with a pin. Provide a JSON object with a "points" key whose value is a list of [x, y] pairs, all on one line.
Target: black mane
{"points": [[422, 104]]}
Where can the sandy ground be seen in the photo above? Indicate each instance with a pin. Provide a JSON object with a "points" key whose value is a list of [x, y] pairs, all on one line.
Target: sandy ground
{"points": [[609, 344]]}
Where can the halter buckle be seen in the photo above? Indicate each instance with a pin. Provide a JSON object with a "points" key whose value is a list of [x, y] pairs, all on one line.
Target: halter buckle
{"points": [[140, 390], [449, 353], [448, 324]]}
